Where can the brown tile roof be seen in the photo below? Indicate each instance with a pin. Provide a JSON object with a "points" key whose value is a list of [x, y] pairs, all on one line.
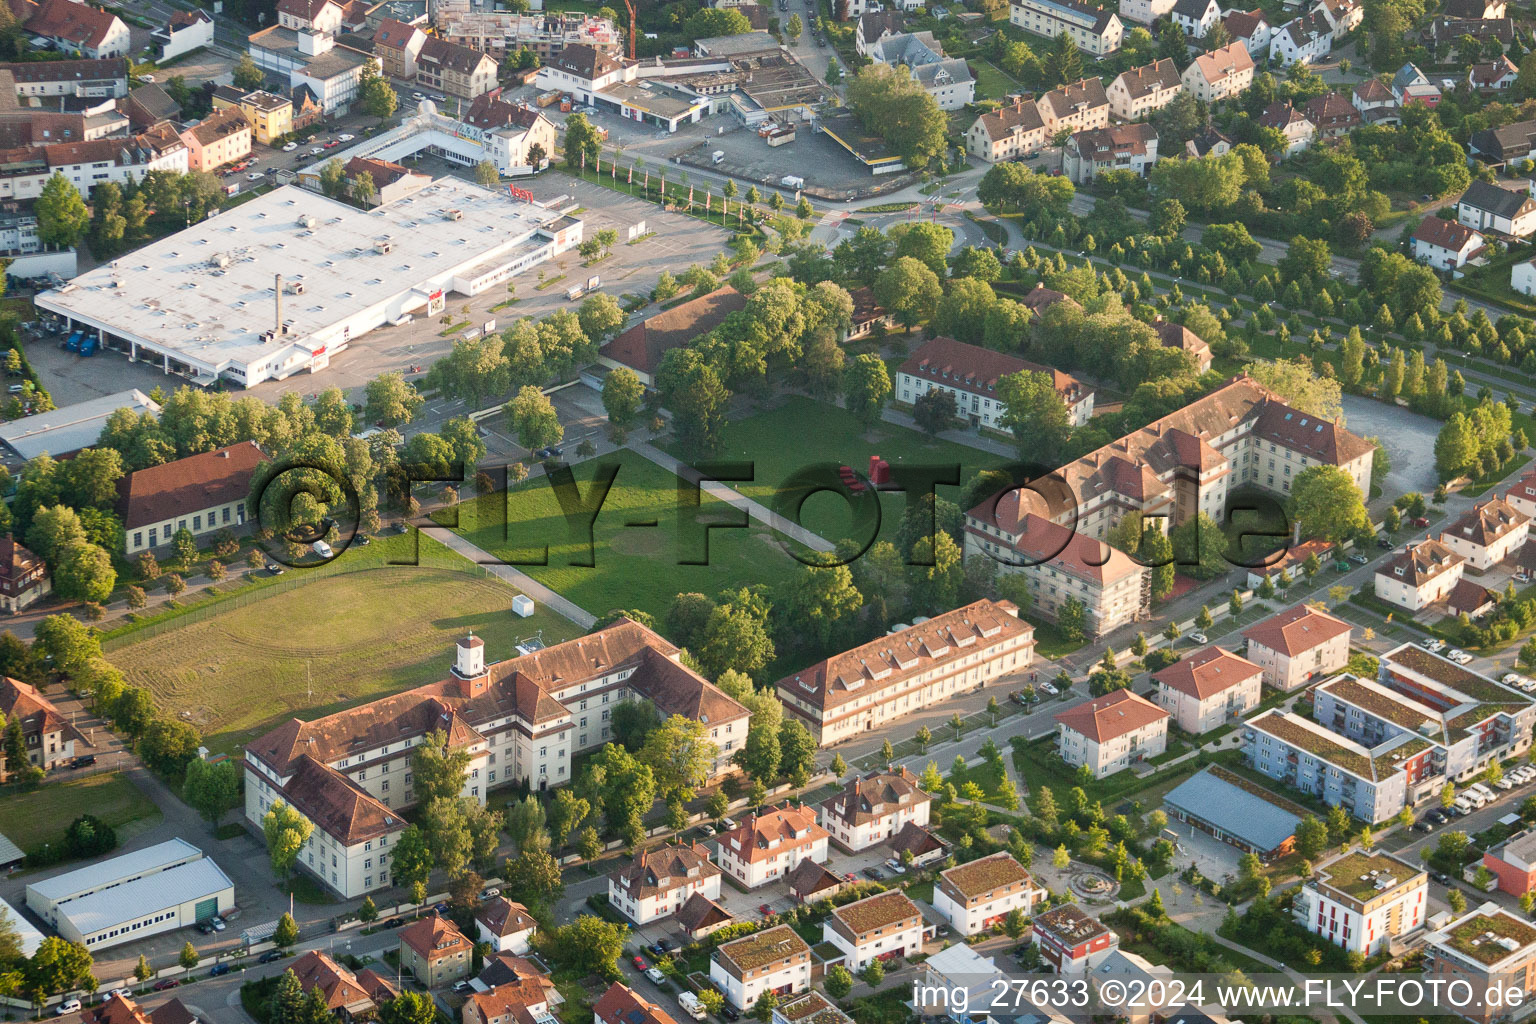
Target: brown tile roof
{"points": [[337, 805], [584, 61], [915, 838], [1296, 630], [37, 714], [1280, 115], [1023, 117], [1486, 75], [178, 489], [492, 112], [889, 660], [1207, 672], [643, 345], [337, 984], [865, 308], [1243, 24], [502, 917], [186, 19], [699, 911], [1331, 112], [664, 869], [1218, 65], [394, 35], [1044, 541], [877, 911], [219, 125], [1150, 78], [986, 874], [1487, 523], [1421, 563], [623, 1005], [381, 171], [531, 988], [379, 988], [1174, 335], [971, 367], [76, 23], [306, 9], [762, 948], [1115, 714], [1373, 90], [1445, 234], [874, 796], [760, 836], [1041, 298], [78, 70], [1469, 597], [434, 937], [16, 561], [172, 1012], [1082, 95], [461, 59], [810, 879]]}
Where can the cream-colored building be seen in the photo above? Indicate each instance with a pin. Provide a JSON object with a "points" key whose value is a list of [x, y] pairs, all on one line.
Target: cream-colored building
{"points": [[658, 882], [1298, 645], [774, 960], [1011, 132], [872, 809], [201, 494], [1423, 575], [1208, 689], [1489, 533], [767, 847], [879, 927], [1111, 733], [975, 896], [1220, 74], [1137, 93], [1095, 30], [908, 669]]}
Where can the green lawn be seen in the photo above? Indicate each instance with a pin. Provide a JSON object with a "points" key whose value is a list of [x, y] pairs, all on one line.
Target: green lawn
{"points": [[992, 83], [40, 816], [779, 445], [639, 539], [333, 642]]}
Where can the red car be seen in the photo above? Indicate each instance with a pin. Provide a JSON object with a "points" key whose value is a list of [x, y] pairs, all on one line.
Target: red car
{"points": [[332, 144], [1421, 521], [640, 963], [167, 983], [763, 908]]}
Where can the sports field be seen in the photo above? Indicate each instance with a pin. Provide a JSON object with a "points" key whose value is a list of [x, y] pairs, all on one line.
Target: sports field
{"points": [[637, 550], [803, 433], [329, 644]]}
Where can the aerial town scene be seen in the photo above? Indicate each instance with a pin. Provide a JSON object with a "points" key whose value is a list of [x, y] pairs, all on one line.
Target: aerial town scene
{"points": [[785, 511]]}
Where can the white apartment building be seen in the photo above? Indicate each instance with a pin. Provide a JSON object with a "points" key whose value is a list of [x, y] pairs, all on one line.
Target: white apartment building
{"points": [[1361, 902], [1297, 646], [1145, 12], [1207, 689], [1487, 534], [767, 847], [1009, 133], [1136, 93], [879, 927], [1522, 496], [1220, 74], [1121, 147], [977, 895], [1095, 30], [908, 669], [970, 373], [658, 882], [774, 960], [1445, 244], [874, 808], [1111, 733], [1422, 575]]}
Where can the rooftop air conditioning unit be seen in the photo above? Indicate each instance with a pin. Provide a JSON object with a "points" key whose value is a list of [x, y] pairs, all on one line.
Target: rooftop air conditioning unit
{"points": [[454, 215], [268, 336], [384, 246], [218, 259], [294, 287], [306, 220]]}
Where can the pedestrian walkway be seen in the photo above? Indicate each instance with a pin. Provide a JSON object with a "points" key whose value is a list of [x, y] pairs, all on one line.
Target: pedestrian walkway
{"points": [[735, 499], [521, 580], [965, 437]]}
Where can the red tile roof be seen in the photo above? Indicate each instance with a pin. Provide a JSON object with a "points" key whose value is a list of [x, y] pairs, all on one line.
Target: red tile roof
{"points": [[971, 367], [1444, 234], [434, 937], [1207, 672], [1295, 630], [642, 346], [759, 837], [76, 23], [1105, 718], [177, 489], [623, 1005]]}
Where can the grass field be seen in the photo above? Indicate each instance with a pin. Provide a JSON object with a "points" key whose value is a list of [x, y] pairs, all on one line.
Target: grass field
{"points": [[636, 543], [341, 640], [779, 445], [31, 819]]}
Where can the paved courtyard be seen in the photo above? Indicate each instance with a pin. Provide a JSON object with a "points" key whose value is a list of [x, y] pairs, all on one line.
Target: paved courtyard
{"points": [[1410, 441]]}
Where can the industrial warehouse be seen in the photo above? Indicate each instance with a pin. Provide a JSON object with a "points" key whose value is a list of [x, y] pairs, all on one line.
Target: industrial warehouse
{"points": [[279, 285]]}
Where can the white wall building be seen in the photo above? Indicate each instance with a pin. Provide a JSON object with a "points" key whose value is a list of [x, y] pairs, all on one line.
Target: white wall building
{"points": [[1363, 901], [1207, 689], [981, 893], [878, 927], [1298, 645], [773, 960], [767, 847], [658, 882], [872, 809]]}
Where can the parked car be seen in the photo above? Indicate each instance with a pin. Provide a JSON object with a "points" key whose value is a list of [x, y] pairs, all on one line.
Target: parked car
{"points": [[764, 909], [205, 928], [730, 1013], [270, 956], [69, 1006], [274, 569], [289, 147], [217, 970], [1358, 558], [895, 865], [442, 909], [168, 983], [315, 151], [640, 963], [489, 893], [872, 873], [1460, 657], [1420, 521], [394, 922], [346, 138], [84, 761], [218, 923], [462, 986], [1385, 543], [1198, 638], [656, 976], [1049, 688], [126, 993]]}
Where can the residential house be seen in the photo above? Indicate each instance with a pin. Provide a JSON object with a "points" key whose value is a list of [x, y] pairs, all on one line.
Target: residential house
{"points": [[870, 810], [1332, 115], [1522, 496], [1298, 645], [658, 882], [1445, 32], [1072, 942], [323, 16], [970, 373], [1251, 28], [396, 45], [811, 882], [874, 26], [1362, 902], [621, 1004], [868, 315], [1145, 12], [1497, 75], [50, 738], [907, 670], [1410, 85], [325, 65], [981, 893], [809, 1008], [948, 80], [455, 70], [78, 28], [1488, 949], [517, 137], [86, 79], [348, 995], [1503, 211], [1219, 74], [1474, 9], [183, 32], [767, 847], [640, 347], [1178, 336], [200, 493], [1445, 244], [1136, 93], [1208, 689], [1078, 106], [773, 960], [1208, 143], [1344, 16], [1505, 145], [1513, 863], [581, 70], [1012, 132], [1039, 299], [879, 927], [506, 925], [270, 115], [1130, 147], [434, 951], [1195, 17], [1376, 103], [1111, 733], [220, 139], [23, 577], [1284, 118], [390, 182], [922, 843], [701, 916], [1096, 31], [1420, 576], [1487, 534], [1302, 40], [529, 997]]}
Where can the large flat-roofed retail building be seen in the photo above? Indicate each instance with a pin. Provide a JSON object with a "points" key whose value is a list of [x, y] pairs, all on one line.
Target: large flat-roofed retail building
{"points": [[279, 285], [157, 889]]}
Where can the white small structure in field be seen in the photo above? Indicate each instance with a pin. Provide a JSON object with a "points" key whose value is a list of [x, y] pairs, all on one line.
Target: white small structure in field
{"points": [[522, 605]]}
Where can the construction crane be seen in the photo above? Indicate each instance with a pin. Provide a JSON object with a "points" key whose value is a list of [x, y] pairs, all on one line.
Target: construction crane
{"points": [[634, 27]]}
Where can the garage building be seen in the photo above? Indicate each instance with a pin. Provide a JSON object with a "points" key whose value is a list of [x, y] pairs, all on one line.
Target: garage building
{"points": [[158, 889]]}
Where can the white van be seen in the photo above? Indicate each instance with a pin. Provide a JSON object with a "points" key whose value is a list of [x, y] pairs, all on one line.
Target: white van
{"points": [[322, 549], [1474, 798], [1479, 787], [1462, 805], [691, 1005]]}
